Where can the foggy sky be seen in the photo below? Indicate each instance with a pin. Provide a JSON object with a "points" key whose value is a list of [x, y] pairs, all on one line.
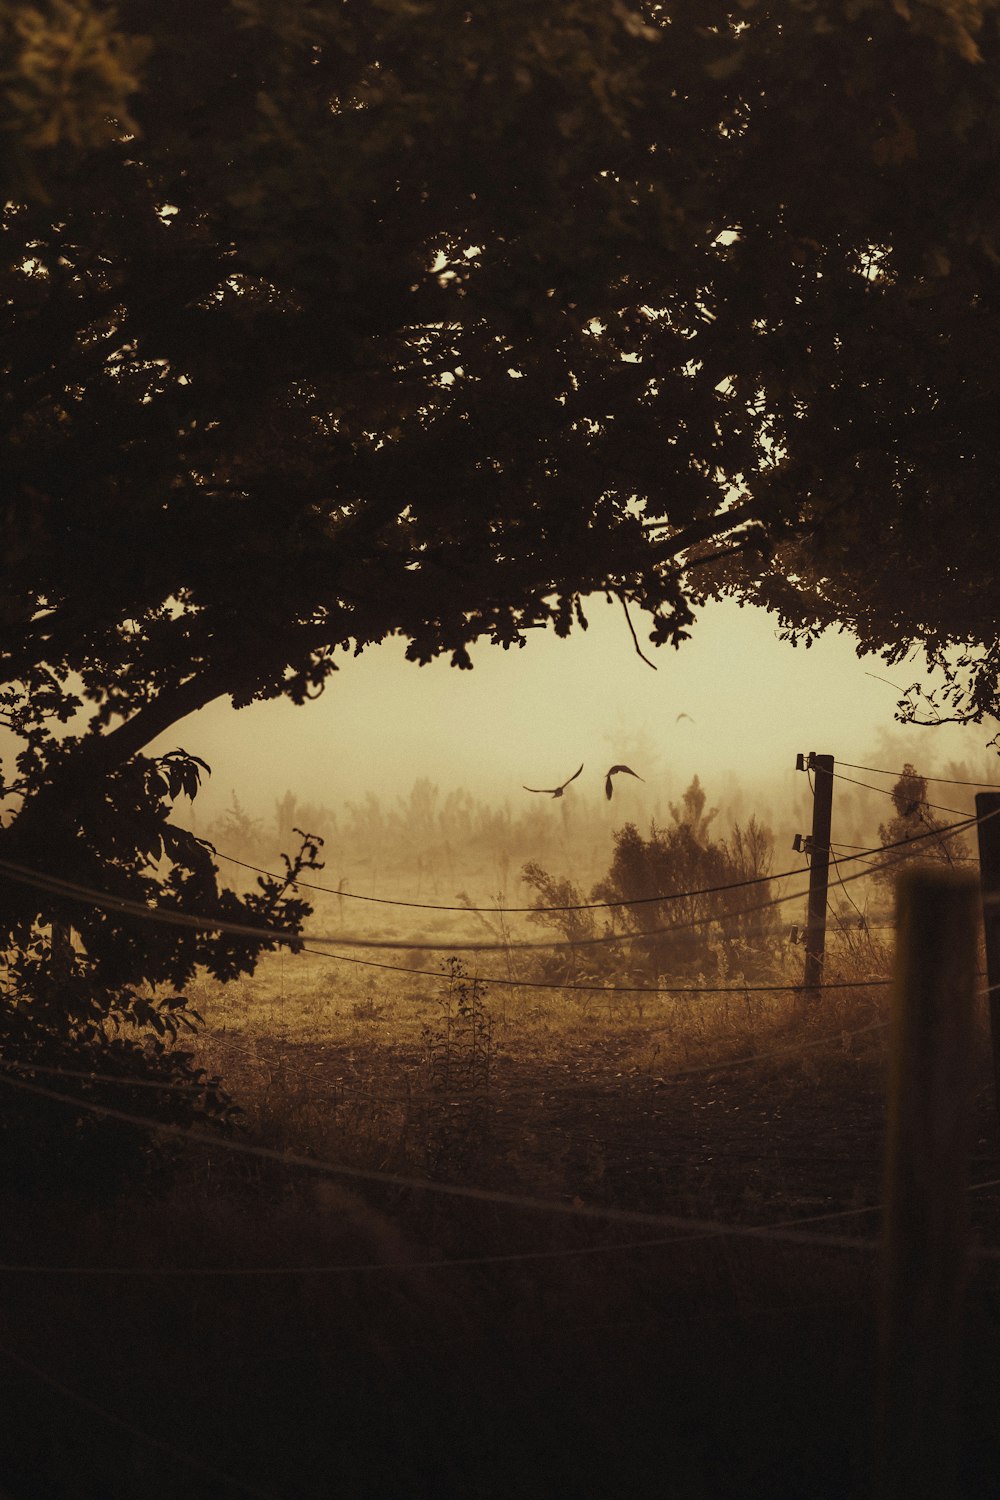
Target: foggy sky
{"points": [[532, 715]]}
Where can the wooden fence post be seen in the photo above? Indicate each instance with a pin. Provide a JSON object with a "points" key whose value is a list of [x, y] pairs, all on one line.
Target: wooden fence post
{"points": [[928, 1146], [819, 870], [987, 804]]}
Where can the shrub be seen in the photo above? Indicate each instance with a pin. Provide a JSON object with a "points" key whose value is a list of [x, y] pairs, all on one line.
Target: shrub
{"points": [[717, 928], [459, 1051]]}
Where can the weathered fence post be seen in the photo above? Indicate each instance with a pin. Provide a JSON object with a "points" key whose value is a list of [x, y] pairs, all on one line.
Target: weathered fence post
{"points": [[928, 1145], [819, 868], [987, 804]]}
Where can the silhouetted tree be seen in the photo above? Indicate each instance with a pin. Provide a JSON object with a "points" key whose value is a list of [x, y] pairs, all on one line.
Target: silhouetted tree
{"points": [[689, 814], [328, 322], [915, 820]]}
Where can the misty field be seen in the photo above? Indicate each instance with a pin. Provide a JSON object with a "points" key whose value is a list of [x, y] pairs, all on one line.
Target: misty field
{"points": [[305, 1335], [528, 1270]]}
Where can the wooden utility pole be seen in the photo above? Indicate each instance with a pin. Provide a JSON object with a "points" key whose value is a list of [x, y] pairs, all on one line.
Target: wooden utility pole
{"points": [[928, 1145], [819, 867], [988, 805]]}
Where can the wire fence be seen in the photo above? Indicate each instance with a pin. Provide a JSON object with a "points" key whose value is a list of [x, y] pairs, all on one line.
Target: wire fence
{"points": [[686, 1229], [690, 1228], [701, 1229], [196, 1090], [206, 923], [801, 1231]]}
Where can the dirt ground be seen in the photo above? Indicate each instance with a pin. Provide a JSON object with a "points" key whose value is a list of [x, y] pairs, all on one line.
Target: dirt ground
{"points": [[284, 1337], [758, 1141]]}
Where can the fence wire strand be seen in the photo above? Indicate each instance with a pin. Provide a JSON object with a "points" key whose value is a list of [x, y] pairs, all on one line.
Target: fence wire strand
{"points": [[698, 1229], [598, 987], [787, 1231], [942, 780], [194, 1090], [496, 909], [55, 885]]}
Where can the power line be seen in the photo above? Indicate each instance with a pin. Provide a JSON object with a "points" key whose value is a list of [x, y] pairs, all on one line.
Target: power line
{"points": [[55, 885], [944, 780], [496, 910], [675, 926], [857, 908], [884, 792], [711, 890]]}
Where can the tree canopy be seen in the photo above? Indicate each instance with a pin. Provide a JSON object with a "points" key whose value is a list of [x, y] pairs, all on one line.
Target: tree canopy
{"points": [[325, 322]]}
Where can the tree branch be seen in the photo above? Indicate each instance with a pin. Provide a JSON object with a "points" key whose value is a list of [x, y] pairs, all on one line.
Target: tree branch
{"points": [[635, 641], [710, 557], [167, 708], [711, 526]]}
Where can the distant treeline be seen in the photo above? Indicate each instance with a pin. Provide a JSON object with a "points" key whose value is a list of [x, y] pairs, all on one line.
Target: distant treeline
{"points": [[433, 837], [430, 831]]}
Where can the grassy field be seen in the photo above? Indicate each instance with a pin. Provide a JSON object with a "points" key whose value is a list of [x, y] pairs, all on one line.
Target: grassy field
{"points": [[314, 1336]]}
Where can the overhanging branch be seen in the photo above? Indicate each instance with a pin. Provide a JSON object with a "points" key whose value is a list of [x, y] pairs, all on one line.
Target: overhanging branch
{"points": [[711, 526], [169, 706], [635, 640]]}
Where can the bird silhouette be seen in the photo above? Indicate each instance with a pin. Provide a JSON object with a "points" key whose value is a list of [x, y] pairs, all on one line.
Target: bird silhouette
{"points": [[608, 788], [683, 716], [553, 791]]}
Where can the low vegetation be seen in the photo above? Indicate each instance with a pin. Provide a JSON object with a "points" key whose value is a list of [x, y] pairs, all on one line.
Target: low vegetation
{"points": [[308, 1333]]}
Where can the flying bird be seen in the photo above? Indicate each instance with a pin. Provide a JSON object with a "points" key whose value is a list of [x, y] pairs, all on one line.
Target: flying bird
{"points": [[553, 791], [608, 788], [683, 716]]}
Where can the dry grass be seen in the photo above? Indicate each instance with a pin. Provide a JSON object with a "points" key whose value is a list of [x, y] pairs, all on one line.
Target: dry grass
{"points": [[324, 1054], [722, 1368]]}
